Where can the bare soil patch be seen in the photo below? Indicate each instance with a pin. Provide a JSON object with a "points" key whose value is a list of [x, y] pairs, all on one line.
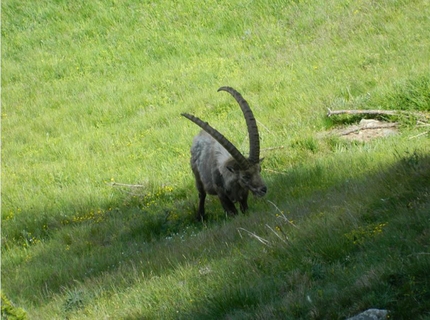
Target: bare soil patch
{"points": [[366, 130]]}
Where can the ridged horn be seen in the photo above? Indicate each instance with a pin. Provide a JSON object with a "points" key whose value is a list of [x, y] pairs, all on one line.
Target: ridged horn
{"points": [[234, 152], [251, 123]]}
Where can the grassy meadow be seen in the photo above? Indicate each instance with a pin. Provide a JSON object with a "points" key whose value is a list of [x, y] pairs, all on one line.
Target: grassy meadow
{"points": [[98, 200]]}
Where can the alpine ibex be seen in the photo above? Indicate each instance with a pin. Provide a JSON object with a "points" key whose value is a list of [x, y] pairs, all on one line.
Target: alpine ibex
{"points": [[219, 167]]}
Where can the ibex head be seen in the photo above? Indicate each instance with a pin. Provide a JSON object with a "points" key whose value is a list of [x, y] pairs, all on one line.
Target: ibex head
{"points": [[233, 178]]}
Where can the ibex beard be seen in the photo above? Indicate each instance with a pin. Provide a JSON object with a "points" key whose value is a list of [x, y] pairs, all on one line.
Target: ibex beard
{"points": [[220, 169]]}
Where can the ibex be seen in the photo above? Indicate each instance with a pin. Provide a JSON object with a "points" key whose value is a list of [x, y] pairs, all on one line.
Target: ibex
{"points": [[219, 167]]}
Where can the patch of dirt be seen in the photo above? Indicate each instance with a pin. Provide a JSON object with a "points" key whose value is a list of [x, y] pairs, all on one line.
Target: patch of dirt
{"points": [[366, 130]]}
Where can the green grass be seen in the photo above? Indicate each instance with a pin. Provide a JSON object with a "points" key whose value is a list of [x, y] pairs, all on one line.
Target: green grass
{"points": [[92, 94]]}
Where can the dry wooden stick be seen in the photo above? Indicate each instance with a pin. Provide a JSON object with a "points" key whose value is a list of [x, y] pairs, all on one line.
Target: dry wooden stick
{"points": [[422, 115], [117, 184], [377, 112]]}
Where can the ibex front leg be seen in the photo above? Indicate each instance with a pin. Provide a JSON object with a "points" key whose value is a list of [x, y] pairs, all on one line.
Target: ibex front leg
{"points": [[244, 203], [201, 210], [227, 204], [202, 193]]}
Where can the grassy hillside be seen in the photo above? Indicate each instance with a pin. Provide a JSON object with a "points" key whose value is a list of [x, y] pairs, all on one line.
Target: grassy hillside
{"points": [[98, 200]]}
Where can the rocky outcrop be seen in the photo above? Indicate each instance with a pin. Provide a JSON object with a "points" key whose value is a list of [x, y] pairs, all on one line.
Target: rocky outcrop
{"points": [[371, 314]]}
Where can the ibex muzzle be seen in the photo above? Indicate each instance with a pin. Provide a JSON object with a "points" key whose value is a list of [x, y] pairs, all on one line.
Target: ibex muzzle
{"points": [[219, 167]]}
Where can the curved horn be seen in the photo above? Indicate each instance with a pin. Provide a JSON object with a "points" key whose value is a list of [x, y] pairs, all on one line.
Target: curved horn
{"points": [[254, 138], [234, 152]]}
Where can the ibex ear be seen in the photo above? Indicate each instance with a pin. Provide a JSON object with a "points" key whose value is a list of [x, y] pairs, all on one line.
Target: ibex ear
{"points": [[261, 160]]}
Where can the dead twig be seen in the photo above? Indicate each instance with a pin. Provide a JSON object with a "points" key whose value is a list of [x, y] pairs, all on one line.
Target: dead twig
{"points": [[117, 184], [377, 112], [423, 116], [129, 189]]}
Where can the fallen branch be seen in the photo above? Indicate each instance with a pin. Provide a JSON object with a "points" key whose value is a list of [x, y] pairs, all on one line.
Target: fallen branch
{"points": [[117, 184], [422, 115], [377, 112]]}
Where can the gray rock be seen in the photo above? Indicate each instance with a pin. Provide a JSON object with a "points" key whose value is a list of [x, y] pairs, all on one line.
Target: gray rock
{"points": [[371, 314]]}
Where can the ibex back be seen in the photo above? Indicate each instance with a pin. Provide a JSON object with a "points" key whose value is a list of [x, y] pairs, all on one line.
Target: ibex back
{"points": [[219, 167]]}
